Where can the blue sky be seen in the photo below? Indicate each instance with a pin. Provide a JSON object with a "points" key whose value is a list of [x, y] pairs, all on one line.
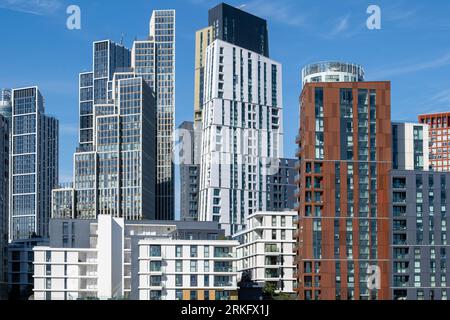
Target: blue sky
{"points": [[412, 50]]}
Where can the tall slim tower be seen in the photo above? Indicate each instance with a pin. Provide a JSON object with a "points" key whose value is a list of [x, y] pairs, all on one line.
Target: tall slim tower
{"points": [[154, 60], [231, 25], [345, 159], [34, 163], [242, 137]]}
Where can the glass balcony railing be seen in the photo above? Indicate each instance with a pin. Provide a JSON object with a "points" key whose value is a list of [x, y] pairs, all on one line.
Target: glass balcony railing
{"points": [[223, 269], [222, 284]]}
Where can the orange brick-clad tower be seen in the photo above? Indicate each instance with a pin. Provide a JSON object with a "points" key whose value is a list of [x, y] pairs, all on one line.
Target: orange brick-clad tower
{"points": [[345, 159]]}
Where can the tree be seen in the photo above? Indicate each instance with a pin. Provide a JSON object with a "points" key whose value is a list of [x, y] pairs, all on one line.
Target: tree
{"points": [[269, 289]]}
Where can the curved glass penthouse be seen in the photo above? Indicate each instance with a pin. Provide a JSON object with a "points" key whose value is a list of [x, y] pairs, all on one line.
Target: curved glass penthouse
{"points": [[332, 71]]}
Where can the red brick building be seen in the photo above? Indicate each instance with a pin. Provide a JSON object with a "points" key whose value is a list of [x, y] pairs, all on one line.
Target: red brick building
{"points": [[439, 125]]}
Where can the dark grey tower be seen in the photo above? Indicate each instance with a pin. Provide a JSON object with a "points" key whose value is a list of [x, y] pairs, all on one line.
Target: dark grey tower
{"points": [[239, 28]]}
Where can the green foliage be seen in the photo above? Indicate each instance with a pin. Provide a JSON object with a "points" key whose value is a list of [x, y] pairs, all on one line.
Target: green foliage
{"points": [[269, 289]]}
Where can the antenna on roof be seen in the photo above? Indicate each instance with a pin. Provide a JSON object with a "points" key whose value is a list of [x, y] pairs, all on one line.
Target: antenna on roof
{"points": [[121, 39]]}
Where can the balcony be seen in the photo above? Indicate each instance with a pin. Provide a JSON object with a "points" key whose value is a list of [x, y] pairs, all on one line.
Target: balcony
{"points": [[272, 249], [225, 255], [399, 183], [272, 274], [223, 284], [223, 269]]}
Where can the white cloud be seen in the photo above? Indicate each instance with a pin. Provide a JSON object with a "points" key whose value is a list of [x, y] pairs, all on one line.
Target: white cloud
{"points": [[340, 26], [413, 67], [280, 11], [68, 129], [35, 7], [442, 97]]}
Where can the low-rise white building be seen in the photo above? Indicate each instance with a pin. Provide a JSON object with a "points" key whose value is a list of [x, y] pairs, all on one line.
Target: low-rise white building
{"points": [[187, 270], [266, 250], [119, 262]]}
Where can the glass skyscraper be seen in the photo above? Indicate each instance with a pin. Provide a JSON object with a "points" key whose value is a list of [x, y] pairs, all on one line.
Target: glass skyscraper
{"points": [[115, 162], [154, 60], [95, 86], [34, 164]]}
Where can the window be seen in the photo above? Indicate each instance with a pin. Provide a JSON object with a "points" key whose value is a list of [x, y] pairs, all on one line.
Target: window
{"points": [[193, 251], [206, 281], [206, 252], [155, 266], [194, 281], [193, 295], [178, 295], [155, 251], [155, 295], [179, 266], [193, 266], [179, 280], [48, 283], [155, 281], [206, 266], [308, 267], [179, 251]]}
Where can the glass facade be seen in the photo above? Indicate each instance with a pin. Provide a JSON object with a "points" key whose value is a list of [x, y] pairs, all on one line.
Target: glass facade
{"points": [[34, 165], [154, 60], [117, 177]]}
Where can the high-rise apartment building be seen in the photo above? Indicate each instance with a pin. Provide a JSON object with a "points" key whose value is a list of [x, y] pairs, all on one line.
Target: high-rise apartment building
{"points": [[242, 136], [420, 248], [410, 145], [203, 38], [439, 128], [231, 25], [240, 28], [4, 203], [345, 159], [153, 59], [34, 165]]}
